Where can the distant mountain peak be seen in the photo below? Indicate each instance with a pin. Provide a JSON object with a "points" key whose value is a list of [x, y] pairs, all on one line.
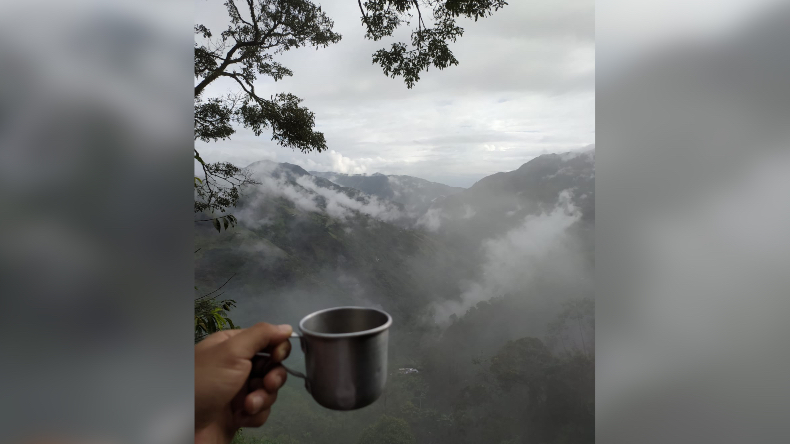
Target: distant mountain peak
{"points": [[269, 167], [534, 187], [586, 155], [260, 163], [414, 193]]}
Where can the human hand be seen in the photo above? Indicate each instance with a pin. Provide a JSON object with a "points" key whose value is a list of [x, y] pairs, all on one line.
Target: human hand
{"points": [[225, 396]]}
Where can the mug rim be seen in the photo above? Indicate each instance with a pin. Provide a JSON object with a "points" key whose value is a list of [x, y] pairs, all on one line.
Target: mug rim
{"points": [[371, 331]]}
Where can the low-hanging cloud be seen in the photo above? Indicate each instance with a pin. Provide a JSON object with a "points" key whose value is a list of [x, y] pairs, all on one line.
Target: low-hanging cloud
{"points": [[338, 163], [431, 220], [541, 247], [339, 205], [309, 196]]}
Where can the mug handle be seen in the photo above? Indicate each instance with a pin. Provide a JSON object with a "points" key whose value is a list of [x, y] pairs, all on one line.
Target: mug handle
{"points": [[290, 372]]}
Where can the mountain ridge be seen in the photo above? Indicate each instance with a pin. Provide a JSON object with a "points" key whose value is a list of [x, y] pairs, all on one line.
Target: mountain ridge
{"points": [[414, 193]]}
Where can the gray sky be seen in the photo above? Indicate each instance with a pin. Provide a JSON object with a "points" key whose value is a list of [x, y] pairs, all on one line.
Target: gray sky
{"points": [[525, 85]]}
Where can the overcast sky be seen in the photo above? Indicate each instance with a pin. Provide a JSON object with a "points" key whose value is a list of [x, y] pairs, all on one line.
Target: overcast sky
{"points": [[525, 85]]}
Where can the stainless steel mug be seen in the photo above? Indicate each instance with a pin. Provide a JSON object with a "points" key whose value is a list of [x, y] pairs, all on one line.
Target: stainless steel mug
{"points": [[345, 356]]}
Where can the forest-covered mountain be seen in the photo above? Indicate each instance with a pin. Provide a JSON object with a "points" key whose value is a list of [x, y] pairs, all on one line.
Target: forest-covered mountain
{"points": [[501, 203], [414, 193], [490, 289], [502, 200]]}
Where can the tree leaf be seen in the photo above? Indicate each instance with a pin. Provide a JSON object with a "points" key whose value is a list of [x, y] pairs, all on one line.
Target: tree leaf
{"points": [[216, 225]]}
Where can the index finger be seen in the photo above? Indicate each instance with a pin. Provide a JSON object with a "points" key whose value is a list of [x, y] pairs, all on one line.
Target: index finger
{"points": [[217, 337], [254, 339]]}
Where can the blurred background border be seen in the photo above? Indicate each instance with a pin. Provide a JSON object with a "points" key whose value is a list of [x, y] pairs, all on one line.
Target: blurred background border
{"points": [[692, 244]]}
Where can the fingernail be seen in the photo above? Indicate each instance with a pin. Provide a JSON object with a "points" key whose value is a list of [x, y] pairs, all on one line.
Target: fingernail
{"points": [[285, 328], [257, 403]]}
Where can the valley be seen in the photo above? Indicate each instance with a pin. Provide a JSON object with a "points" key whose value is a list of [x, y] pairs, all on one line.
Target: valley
{"points": [[490, 288]]}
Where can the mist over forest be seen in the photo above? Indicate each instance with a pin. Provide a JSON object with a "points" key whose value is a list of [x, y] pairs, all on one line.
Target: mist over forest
{"points": [[490, 288]]}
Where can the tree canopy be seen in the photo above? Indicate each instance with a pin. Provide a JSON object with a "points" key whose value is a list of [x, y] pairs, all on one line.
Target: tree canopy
{"points": [[260, 30]]}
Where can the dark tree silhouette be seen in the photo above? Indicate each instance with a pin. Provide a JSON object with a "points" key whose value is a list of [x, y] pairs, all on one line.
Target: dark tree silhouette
{"points": [[260, 30]]}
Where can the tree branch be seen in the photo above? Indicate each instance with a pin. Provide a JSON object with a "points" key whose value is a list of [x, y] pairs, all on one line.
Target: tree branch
{"points": [[251, 92], [254, 20], [218, 289], [232, 4], [365, 17], [209, 220], [208, 182], [420, 25], [229, 57]]}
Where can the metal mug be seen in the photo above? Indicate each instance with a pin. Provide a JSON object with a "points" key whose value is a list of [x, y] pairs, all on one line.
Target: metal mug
{"points": [[345, 356]]}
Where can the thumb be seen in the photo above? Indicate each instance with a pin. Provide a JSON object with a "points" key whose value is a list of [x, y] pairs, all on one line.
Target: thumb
{"points": [[254, 339]]}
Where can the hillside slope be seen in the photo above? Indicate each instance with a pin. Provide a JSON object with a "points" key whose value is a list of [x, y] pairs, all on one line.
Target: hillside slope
{"points": [[414, 193]]}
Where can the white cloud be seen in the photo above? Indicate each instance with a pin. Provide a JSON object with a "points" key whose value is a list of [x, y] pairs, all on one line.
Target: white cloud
{"points": [[339, 204], [540, 248], [524, 86], [469, 212], [308, 196], [345, 165], [431, 220]]}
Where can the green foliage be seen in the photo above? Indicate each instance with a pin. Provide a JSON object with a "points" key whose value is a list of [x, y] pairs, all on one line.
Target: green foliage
{"points": [[214, 117], [520, 391], [225, 221], [242, 52], [309, 250], [529, 394], [524, 361], [574, 328], [260, 30], [211, 314], [387, 430], [473, 386], [219, 189], [429, 46]]}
